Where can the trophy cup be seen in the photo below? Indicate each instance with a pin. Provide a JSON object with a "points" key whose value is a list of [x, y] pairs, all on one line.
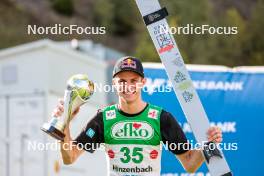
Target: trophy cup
{"points": [[79, 90]]}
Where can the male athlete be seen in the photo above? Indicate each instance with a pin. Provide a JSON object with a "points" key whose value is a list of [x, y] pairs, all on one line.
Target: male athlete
{"points": [[132, 130]]}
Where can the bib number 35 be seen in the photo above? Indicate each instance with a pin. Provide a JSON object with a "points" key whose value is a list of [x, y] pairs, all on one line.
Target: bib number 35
{"points": [[135, 156]]}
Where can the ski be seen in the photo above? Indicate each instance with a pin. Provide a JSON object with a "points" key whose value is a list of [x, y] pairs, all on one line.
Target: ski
{"points": [[155, 19]]}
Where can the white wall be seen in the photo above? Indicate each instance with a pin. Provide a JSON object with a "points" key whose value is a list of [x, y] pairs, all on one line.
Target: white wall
{"points": [[25, 118], [48, 68], [87, 164], [61, 66], [29, 69], [45, 69], [2, 136], [26, 115]]}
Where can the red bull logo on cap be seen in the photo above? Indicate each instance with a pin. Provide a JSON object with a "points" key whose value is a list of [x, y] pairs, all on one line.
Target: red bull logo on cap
{"points": [[129, 63]]}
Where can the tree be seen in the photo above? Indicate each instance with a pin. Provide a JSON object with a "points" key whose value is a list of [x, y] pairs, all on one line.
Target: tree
{"points": [[64, 7], [256, 39], [145, 49], [227, 49], [192, 47], [116, 16], [104, 14], [125, 18]]}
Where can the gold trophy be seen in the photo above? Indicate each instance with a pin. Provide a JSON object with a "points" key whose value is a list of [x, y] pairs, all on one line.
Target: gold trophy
{"points": [[79, 90]]}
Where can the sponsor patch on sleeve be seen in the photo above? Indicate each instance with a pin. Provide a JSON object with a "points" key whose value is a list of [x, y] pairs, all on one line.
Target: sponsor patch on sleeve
{"points": [[90, 133]]}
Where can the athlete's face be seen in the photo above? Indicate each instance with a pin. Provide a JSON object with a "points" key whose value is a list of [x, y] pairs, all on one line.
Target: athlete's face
{"points": [[128, 85]]}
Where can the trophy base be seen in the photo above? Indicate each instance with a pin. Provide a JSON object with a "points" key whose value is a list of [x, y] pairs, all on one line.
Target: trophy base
{"points": [[52, 131]]}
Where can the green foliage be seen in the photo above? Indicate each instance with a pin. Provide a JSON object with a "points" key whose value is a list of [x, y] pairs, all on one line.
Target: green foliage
{"points": [[125, 28], [192, 47], [145, 50], [228, 49], [104, 14], [65, 7], [189, 11], [256, 37], [12, 30], [116, 16], [124, 17], [244, 48]]}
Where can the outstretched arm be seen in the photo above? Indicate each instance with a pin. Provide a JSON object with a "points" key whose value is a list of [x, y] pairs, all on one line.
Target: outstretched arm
{"points": [[172, 133], [69, 152], [193, 159]]}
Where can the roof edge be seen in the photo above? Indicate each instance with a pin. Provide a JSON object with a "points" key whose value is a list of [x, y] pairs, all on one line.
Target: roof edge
{"points": [[47, 43]]}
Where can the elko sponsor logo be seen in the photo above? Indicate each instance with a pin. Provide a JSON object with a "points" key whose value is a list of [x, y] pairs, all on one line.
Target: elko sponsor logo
{"points": [[132, 130]]}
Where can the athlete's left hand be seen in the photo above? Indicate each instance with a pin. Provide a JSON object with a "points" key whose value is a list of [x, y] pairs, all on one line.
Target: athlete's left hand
{"points": [[215, 134]]}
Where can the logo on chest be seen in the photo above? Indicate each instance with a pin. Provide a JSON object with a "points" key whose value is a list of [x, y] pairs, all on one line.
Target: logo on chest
{"points": [[132, 130], [111, 114], [153, 113]]}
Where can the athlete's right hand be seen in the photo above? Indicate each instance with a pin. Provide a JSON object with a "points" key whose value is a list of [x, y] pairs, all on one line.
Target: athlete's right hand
{"points": [[58, 111]]}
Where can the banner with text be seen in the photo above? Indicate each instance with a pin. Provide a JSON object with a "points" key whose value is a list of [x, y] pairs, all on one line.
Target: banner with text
{"points": [[233, 100]]}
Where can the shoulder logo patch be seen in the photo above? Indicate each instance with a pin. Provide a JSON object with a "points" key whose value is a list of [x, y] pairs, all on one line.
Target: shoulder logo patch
{"points": [[153, 113], [90, 133], [111, 114]]}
